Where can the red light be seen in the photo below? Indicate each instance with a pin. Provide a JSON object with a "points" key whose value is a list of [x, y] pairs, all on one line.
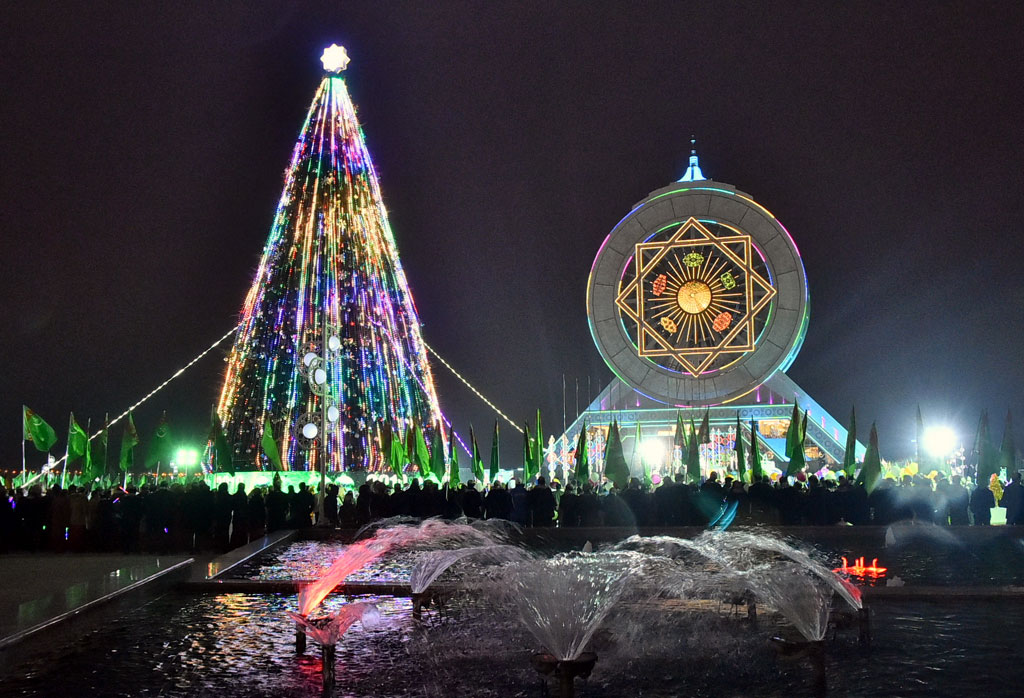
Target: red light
{"points": [[859, 569]]}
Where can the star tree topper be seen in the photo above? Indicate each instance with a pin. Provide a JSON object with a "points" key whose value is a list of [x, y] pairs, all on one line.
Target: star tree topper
{"points": [[335, 58]]}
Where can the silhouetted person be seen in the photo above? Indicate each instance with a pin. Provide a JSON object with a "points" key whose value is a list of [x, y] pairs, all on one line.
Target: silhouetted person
{"points": [[222, 518], [568, 508], [636, 500], [982, 501], [542, 504], [1013, 500], [472, 501], [498, 502], [520, 505], [277, 507], [304, 505], [257, 514]]}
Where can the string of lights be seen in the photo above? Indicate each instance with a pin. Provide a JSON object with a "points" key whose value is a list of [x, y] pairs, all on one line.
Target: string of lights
{"points": [[146, 397], [475, 391]]}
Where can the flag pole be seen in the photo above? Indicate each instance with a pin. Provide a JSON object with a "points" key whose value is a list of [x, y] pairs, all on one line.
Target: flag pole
{"points": [[87, 457], [24, 431], [67, 447], [106, 445]]}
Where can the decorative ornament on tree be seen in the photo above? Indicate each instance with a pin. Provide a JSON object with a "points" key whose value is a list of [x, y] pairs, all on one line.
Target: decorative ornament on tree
{"points": [[335, 58]]}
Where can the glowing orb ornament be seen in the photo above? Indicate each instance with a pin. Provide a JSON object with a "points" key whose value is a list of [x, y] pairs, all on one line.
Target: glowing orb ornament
{"points": [[335, 58]]}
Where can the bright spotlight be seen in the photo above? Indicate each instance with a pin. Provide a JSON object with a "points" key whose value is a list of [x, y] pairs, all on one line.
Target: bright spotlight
{"points": [[653, 451], [186, 457], [939, 441]]}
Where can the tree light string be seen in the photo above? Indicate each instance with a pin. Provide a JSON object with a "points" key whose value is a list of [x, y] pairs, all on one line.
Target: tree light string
{"points": [[150, 394], [470, 386]]}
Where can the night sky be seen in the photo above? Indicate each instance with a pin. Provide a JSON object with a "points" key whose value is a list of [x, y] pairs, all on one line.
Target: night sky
{"points": [[143, 149]]}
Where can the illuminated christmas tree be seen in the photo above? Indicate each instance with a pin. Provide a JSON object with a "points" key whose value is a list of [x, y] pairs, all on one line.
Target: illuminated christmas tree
{"points": [[330, 289]]}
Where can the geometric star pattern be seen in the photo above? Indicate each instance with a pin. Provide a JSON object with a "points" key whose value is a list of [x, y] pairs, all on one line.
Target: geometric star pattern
{"points": [[695, 298]]}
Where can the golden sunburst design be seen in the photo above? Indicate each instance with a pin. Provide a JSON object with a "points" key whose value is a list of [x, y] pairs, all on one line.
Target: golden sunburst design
{"points": [[695, 296]]}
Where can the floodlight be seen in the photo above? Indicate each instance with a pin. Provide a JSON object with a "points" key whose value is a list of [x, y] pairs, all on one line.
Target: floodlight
{"points": [[939, 441]]}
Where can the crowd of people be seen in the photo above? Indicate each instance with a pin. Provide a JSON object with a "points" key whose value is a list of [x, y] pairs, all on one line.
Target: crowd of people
{"points": [[169, 517]]}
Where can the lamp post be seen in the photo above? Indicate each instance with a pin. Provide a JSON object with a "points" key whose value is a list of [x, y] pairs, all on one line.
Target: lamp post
{"points": [[316, 367]]}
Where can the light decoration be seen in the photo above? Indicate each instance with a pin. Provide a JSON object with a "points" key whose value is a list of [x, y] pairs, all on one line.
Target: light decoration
{"points": [[330, 261], [728, 281], [859, 569], [804, 320], [658, 287], [939, 441], [722, 322], [335, 58], [681, 323]]}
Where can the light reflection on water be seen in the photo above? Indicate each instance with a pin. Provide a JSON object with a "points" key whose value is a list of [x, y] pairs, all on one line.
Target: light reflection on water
{"points": [[998, 561], [232, 645]]}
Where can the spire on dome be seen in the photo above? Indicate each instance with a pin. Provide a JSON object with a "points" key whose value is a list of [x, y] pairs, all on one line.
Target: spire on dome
{"points": [[693, 173]]}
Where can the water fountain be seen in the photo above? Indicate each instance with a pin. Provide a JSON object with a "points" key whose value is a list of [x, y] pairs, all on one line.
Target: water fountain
{"points": [[329, 630], [565, 600], [387, 535], [562, 602], [435, 563]]}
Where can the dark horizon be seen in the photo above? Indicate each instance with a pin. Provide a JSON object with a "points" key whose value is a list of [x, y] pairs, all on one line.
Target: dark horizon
{"points": [[144, 148]]}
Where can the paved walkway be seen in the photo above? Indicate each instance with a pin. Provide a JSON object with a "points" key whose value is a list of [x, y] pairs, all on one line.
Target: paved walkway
{"points": [[37, 590]]}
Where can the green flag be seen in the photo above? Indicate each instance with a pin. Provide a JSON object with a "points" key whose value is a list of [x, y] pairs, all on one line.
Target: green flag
{"points": [[693, 455], [270, 449], [755, 452], [495, 463], [422, 452], [97, 461], [36, 430], [850, 454], [478, 461], [984, 450], [797, 461], [538, 453], [528, 461], [705, 427], [438, 462], [679, 438], [160, 447], [78, 440], [129, 440], [615, 467], [1008, 449], [454, 477], [644, 464], [410, 442], [741, 461], [582, 470], [395, 453], [871, 470], [793, 433]]}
